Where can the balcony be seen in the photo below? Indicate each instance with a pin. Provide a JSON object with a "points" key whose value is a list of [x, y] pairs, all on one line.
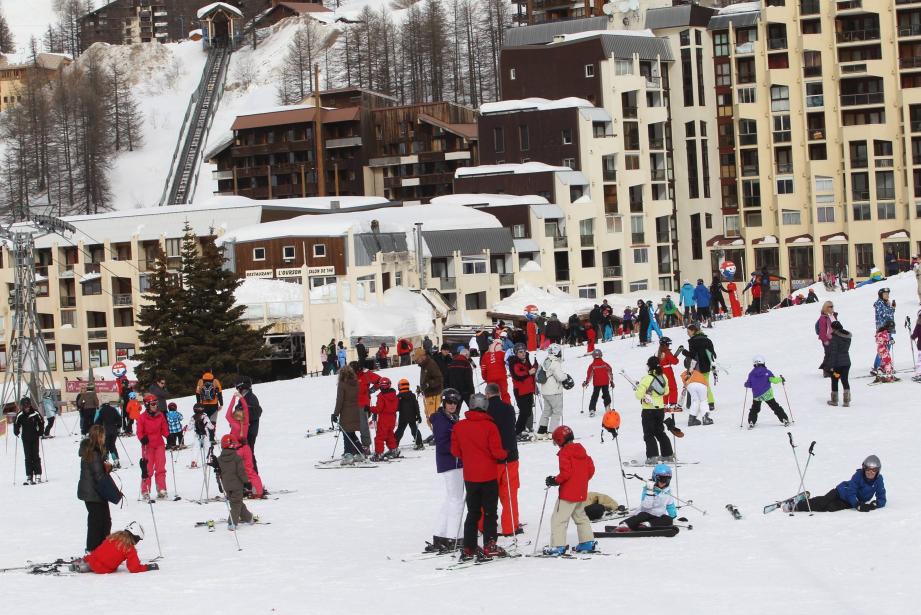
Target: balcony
{"points": [[657, 143], [809, 7], [122, 300], [653, 83], [68, 302], [560, 242], [812, 71], [630, 113], [65, 270], [784, 167], [849, 5], [637, 238], [657, 175], [910, 62], [96, 334], [860, 163], [562, 275], [909, 30], [777, 43], [751, 201], [448, 283], [817, 134], [91, 268], [852, 69], [506, 279], [857, 100], [860, 195], [344, 142], [745, 49], [221, 174], [916, 124], [749, 170], [857, 36], [587, 241], [612, 271]]}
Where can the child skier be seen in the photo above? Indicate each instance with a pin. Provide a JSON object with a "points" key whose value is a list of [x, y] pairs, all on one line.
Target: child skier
{"points": [[118, 547], [695, 383], [524, 385], [666, 360], [29, 425], [602, 378], [385, 408], [174, 440], [884, 371], [132, 412], [657, 505], [759, 381], [590, 337], [865, 484], [627, 323], [576, 469], [650, 390], [238, 419], [410, 416], [203, 429], [235, 481]]}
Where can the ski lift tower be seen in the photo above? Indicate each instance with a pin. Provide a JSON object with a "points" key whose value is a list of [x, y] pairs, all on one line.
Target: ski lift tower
{"points": [[28, 370]]}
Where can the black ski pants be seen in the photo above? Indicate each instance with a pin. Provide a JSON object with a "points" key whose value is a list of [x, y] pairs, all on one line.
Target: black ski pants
{"points": [[482, 499], [644, 517], [30, 448], [654, 435], [251, 435], [98, 524], [87, 416], [212, 413], [830, 502], [605, 397], [644, 330], [112, 443], [413, 429], [525, 412], [49, 425], [756, 408], [350, 441], [842, 373], [127, 424]]}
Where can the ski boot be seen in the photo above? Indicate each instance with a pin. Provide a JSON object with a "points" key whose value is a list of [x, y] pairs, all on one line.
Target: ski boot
{"points": [[651, 461], [847, 398], [667, 459], [392, 453], [524, 437], [751, 424], [622, 529], [707, 420], [555, 551], [430, 440], [786, 422], [376, 458], [145, 497], [468, 554], [161, 495], [418, 446], [29, 481], [591, 414], [589, 546], [693, 421], [231, 526], [347, 460], [491, 549], [449, 545], [435, 546]]}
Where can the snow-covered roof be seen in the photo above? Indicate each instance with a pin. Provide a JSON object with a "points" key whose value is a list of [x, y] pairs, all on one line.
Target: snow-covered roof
{"points": [[533, 104], [595, 114], [572, 178], [218, 5], [401, 313], [552, 301], [590, 33], [512, 168], [255, 290], [526, 245], [741, 7], [548, 211], [488, 199]]}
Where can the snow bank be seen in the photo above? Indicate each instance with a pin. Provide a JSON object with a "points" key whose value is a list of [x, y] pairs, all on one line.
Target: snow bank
{"points": [[533, 104], [516, 168], [401, 313], [254, 290], [488, 199]]}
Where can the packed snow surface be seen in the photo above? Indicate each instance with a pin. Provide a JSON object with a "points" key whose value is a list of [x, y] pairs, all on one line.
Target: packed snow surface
{"points": [[401, 313]]}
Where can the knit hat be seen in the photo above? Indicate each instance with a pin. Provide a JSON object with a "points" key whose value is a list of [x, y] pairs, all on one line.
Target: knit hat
{"points": [[403, 385]]}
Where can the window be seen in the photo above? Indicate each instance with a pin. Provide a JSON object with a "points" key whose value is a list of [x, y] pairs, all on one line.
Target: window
{"points": [[824, 184], [781, 125], [705, 166], [567, 136], [623, 67], [885, 185], [258, 254], [790, 217], [72, 358], [864, 254], [512, 75], [724, 105], [551, 228], [885, 211], [723, 74], [398, 278], [498, 139], [699, 54], [780, 98], [693, 183], [570, 162], [751, 193], [697, 246], [609, 168], [687, 78], [587, 227], [472, 266], [882, 148], [589, 70], [518, 231], [748, 132], [287, 253], [815, 94], [860, 186], [588, 259], [731, 226], [746, 95], [785, 186], [319, 250], [640, 255], [817, 151], [825, 214], [637, 235], [589, 291], [721, 44], [173, 247], [753, 218], [475, 301], [639, 285], [631, 163], [684, 38], [862, 211], [859, 156]]}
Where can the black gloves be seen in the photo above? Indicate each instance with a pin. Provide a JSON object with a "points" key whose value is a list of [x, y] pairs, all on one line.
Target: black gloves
{"points": [[144, 440], [333, 418], [550, 481], [153, 566], [243, 442], [782, 379], [866, 507]]}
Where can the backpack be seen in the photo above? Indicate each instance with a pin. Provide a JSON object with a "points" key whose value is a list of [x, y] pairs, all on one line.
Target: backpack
{"points": [[657, 385], [541, 375], [208, 392], [817, 325]]}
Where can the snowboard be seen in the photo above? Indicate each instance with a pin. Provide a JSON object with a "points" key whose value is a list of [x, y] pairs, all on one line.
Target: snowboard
{"points": [[636, 463], [668, 532], [796, 499]]}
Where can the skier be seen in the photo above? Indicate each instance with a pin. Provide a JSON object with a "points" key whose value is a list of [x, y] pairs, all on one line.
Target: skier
{"points": [[823, 329], [431, 382], [118, 547], [883, 311], [554, 329], [203, 429], [653, 323], [670, 312], [650, 390], [132, 412], [627, 323], [591, 336], [210, 395], [235, 480], [158, 389], [404, 347], [174, 441], [385, 409], [760, 379], [702, 300], [717, 303], [915, 335], [366, 380], [254, 413], [859, 492], [111, 420], [476, 442], [29, 426], [657, 505], [576, 469], [686, 299], [86, 403], [552, 391], [450, 469], [597, 505], [151, 431], [700, 351], [884, 369], [348, 413], [492, 368], [666, 360], [601, 375], [93, 467], [50, 410], [839, 362], [460, 374], [503, 415], [408, 409], [644, 318], [695, 384], [238, 420], [341, 359], [524, 386]]}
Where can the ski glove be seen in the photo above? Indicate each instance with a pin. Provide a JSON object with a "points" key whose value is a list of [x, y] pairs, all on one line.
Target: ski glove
{"points": [[243, 442], [333, 418], [866, 507], [550, 481], [144, 440], [153, 566]]}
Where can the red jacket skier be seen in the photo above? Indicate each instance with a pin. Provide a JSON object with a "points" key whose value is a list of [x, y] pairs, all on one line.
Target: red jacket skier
{"points": [[666, 360], [523, 381], [492, 368], [152, 431], [386, 411], [366, 379], [115, 549], [599, 373], [591, 336], [476, 442], [238, 419], [576, 469]]}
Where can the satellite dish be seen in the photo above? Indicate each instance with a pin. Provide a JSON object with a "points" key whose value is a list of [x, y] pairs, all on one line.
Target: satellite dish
{"points": [[607, 9]]}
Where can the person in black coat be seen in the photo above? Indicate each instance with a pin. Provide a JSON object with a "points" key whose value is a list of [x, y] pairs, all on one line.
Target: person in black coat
{"points": [[159, 389], [503, 415], [30, 426], [644, 321], [443, 359], [245, 390], [838, 362], [717, 303], [596, 320], [408, 414], [700, 351], [92, 468], [111, 420], [459, 375]]}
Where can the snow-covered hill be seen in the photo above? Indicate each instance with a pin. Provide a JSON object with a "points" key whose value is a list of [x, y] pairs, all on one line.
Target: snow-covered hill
{"points": [[334, 545]]}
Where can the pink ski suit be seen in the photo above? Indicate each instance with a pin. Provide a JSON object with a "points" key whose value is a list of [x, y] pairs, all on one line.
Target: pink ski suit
{"points": [[154, 428], [239, 429]]}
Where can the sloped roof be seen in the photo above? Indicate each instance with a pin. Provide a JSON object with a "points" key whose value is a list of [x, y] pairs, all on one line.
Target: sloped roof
{"points": [[295, 115], [678, 16], [541, 34], [467, 131], [304, 7], [468, 242], [367, 245]]}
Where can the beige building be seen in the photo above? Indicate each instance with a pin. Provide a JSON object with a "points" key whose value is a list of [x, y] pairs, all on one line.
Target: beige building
{"points": [[13, 76]]}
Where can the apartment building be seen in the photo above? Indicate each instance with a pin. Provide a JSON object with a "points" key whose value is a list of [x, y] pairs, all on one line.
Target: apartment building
{"points": [[13, 77]]}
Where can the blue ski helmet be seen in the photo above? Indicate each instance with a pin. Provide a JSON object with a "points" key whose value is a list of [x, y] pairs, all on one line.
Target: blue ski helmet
{"points": [[661, 469]]}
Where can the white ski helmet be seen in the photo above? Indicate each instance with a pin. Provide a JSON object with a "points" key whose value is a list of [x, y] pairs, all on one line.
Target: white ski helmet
{"points": [[555, 350], [759, 360]]}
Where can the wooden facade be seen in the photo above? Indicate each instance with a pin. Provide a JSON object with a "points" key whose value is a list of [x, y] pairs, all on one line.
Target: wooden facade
{"points": [[334, 247], [526, 71], [538, 136], [541, 184]]}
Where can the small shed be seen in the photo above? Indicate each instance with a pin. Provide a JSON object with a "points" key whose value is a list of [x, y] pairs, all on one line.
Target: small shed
{"points": [[221, 25]]}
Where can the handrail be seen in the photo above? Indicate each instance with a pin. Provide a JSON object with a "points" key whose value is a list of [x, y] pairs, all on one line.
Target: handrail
{"points": [[215, 103]]}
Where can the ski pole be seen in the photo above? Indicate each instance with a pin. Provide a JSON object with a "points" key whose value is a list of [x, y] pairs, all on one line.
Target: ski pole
{"points": [[125, 449], [623, 478], [914, 361], [806, 469], [172, 460], [15, 454], [45, 459], [675, 453], [582, 403], [685, 502], [511, 509], [153, 517], [632, 383], [460, 516], [745, 403], [335, 444], [354, 444], [802, 481], [230, 520], [783, 383], [543, 509]]}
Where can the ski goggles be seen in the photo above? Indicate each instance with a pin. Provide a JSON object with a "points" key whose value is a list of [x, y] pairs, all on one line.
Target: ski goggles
{"points": [[665, 480], [884, 290]]}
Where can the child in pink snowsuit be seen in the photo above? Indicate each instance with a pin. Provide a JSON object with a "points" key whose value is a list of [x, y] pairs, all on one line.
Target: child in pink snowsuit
{"points": [[239, 426], [151, 431], [883, 343]]}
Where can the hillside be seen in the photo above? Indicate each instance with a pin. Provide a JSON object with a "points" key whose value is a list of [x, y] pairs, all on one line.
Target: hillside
{"points": [[345, 530]]}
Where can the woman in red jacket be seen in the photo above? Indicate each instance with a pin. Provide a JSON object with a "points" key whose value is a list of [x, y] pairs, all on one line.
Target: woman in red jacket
{"points": [[666, 360], [492, 368], [238, 419], [576, 469], [118, 547], [523, 385], [386, 411]]}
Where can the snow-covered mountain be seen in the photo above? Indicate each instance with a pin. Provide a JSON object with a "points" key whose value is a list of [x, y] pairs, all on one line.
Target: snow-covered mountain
{"points": [[334, 545]]}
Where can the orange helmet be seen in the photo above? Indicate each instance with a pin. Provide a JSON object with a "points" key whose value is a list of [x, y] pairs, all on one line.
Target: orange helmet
{"points": [[611, 420], [207, 376], [150, 398]]}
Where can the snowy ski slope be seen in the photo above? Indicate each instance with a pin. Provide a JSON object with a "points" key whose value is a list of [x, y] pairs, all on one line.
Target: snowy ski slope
{"points": [[327, 548]]}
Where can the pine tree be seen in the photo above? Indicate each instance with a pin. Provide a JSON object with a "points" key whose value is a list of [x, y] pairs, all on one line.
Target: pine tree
{"points": [[7, 42], [159, 319]]}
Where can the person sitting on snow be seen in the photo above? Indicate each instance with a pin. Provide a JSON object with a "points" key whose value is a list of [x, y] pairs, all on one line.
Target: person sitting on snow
{"points": [[859, 492]]}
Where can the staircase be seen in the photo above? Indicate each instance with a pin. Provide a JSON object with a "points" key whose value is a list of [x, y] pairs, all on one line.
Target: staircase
{"points": [[180, 184]]}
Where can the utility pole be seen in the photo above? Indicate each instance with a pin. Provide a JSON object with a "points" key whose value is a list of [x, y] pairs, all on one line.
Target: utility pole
{"points": [[318, 132]]}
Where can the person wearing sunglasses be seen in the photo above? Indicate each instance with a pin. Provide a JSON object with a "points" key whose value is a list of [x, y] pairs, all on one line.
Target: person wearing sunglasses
{"points": [[865, 491]]}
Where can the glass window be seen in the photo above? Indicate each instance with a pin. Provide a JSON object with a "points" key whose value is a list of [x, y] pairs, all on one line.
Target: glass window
{"points": [[780, 98], [498, 139], [287, 253], [518, 231], [785, 186], [473, 266], [885, 211], [640, 255], [824, 184], [753, 218], [589, 291], [721, 44], [567, 136], [825, 214], [589, 70], [723, 74], [791, 217], [746, 95], [623, 67], [475, 301], [524, 138], [173, 247], [258, 254], [862, 211], [731, 226], [512, 74], [319, 250]]}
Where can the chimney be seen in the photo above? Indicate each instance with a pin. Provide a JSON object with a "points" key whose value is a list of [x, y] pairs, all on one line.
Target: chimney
{"points": [[375, 227]]}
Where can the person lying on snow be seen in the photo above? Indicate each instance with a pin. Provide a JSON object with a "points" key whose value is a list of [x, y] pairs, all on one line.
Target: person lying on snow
{"points": [[118, 547], [858, 492]]}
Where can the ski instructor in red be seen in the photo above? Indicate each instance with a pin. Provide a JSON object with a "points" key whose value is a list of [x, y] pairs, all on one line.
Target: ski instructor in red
{"points": [[476, 442]]}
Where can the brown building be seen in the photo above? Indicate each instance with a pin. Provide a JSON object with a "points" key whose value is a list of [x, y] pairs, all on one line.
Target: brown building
{"points": [[283, 10], [522, 135], [542, 11]]}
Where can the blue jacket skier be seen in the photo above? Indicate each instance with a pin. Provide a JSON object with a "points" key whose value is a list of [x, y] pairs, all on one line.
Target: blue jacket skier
{"points": [[657, 504], [858, 492]]}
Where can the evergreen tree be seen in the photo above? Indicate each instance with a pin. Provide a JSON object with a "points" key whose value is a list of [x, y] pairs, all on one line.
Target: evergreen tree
{"points": [[7, 42], [159, 319]]}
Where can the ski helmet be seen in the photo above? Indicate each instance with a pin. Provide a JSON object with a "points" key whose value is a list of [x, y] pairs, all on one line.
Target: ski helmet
{"points": [[568, 383], [230, 441], [611, 420], [384, 383], [132, 395], [881, 292], [478, 401], [872, 462], [597, 354], [758, 360], [562, 435], [519, 347], [150, 398], [451, 396], [198, 408], [652, 363], [136, 530], [244, 384], [403, 385], [172, 406], [666, 341], [662, 472], [555, 350]]}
